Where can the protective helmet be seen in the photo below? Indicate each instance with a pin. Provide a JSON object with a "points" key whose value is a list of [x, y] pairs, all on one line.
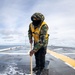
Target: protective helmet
{"points": [[38, 16]]}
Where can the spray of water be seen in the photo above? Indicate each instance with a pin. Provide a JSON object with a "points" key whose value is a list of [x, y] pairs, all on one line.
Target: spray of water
{"points": [[13, 70]]}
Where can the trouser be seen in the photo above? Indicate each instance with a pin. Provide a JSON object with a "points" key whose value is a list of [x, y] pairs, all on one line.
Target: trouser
{"points": [[40, 57]]}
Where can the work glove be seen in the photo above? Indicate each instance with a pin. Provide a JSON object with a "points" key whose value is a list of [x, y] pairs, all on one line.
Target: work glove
{"points": [[32, 52]]}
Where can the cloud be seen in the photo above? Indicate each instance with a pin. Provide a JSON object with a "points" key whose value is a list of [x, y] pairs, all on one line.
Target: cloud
{"points": [[15, 18]]}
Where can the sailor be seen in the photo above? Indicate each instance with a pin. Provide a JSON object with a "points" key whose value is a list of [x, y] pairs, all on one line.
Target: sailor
{"points": [[38, 31]]}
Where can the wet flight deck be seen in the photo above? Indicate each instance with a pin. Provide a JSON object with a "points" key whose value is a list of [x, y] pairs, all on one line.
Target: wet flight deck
{"points": [[16, 60]]}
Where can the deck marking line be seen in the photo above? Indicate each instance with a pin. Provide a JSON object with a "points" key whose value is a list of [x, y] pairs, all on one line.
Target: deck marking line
{"points": [[54, 56], [63, 58], [69, 65], [14, 53], [68, 53]]}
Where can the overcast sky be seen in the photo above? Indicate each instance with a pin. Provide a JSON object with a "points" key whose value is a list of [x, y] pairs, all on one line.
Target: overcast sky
{"points": [[15, 16]]}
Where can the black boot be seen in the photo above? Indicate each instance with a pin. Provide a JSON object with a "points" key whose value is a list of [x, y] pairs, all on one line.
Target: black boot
{"points": [[39, 71], [35, 69]]}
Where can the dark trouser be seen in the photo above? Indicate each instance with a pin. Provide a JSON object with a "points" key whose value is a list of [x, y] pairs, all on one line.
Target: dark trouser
{"points": [[40, 57]]}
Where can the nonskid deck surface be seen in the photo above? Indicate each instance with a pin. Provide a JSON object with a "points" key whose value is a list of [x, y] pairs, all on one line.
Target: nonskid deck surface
{"points": [[14, 65], [18, 64]]}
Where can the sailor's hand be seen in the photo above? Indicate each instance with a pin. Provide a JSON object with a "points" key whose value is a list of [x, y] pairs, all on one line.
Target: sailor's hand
{"points": [[31, 41], [32, 52]]}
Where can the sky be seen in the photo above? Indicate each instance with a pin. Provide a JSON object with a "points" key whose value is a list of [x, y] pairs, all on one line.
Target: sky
{"points": [[15, 17]]}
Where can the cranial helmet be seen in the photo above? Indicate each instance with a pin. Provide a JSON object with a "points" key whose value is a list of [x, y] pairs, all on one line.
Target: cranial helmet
{"points": [[37, 18]]}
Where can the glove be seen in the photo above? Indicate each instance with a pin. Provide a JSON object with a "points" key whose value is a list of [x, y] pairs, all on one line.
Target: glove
{"points": [[31, 41], [32, 52]]}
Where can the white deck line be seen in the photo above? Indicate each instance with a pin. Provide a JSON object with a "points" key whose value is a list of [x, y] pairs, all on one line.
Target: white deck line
{"points": [[68, 53], [14, 53], [11, 48], [69, 65]]}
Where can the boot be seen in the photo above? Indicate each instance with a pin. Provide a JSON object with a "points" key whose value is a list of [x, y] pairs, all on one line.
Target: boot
{"points": [[35, 69], [39, 71]]}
